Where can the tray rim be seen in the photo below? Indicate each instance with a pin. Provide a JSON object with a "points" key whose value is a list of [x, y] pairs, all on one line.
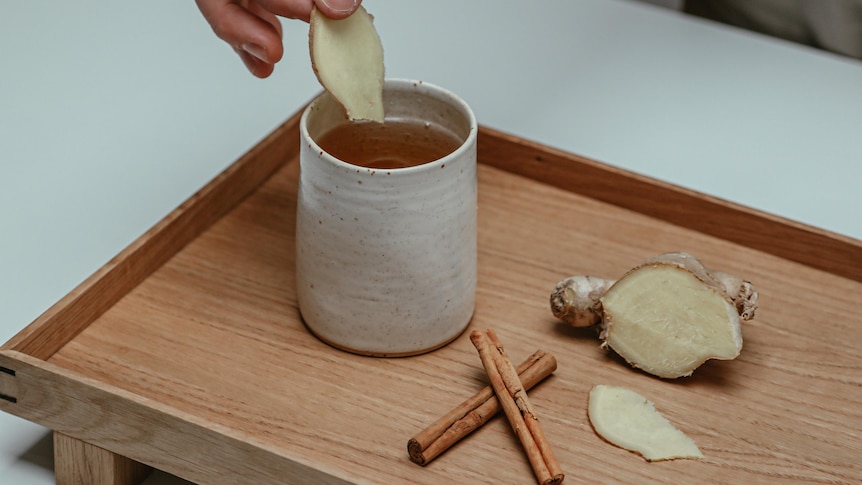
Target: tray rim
{"points": [[815, 247], [137, 261], [792, 240], [27, 353], [66, 393]]}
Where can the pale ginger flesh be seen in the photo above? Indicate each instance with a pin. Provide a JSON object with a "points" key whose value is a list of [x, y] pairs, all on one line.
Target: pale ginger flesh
{"points": [[667, 316], [665, 321], [347, 58], [628, 420]]}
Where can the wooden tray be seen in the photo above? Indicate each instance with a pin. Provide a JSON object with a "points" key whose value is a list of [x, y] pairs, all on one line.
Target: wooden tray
{"points": [[186, 351]]}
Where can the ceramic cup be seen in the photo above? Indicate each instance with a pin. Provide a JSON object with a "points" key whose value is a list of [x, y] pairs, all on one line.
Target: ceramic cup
{"points": [[386, 258]]}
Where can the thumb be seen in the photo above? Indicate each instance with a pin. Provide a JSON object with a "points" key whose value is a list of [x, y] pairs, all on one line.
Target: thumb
{"points": [[337, 9]]}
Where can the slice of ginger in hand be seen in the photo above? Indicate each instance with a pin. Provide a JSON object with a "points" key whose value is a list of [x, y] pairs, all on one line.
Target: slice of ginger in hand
{"points": [[628, 420], [347, 58]]}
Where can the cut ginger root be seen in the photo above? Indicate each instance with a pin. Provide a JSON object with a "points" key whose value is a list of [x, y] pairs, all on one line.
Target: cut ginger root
{"points": [[667, 316], [628, 420], [347, 58]]}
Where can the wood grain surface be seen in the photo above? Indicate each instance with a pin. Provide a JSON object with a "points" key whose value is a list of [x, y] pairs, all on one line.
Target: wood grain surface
{"points": [[752, 228], [82, 462], [205, 370]]}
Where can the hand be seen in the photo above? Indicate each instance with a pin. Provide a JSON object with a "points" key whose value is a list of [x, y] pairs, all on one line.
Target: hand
{"points": [[253, 29]]}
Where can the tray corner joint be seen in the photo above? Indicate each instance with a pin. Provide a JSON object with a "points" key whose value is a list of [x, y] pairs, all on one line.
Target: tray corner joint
{"points": [[7, 376]]}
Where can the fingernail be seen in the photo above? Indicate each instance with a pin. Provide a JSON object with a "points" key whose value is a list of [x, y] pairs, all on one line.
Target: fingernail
{"points": [[255, 50], [341, 6]]}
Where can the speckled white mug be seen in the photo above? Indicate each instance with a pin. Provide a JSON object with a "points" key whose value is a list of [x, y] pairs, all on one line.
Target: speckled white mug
{"points": [[386, 258]]}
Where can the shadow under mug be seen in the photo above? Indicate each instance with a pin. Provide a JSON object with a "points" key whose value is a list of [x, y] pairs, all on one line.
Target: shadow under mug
{"points": [[386, 258]]}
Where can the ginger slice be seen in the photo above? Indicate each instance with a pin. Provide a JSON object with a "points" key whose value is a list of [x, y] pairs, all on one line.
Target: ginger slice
{"points": [[628, 420], [347, 58], [666, 316]]}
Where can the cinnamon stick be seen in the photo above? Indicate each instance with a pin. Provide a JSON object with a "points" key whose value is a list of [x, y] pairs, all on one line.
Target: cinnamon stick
{"points": [[512, 395], [474, 412]]}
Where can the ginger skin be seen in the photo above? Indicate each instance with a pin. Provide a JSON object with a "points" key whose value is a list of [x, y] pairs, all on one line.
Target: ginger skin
{"points": [[666, 316], [576, 300]]}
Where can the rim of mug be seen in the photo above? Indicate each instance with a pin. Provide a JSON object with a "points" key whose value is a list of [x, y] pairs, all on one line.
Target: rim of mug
{"points": [[450, 96]]}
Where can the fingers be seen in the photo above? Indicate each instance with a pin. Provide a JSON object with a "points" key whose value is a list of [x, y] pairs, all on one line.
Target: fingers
{"points": [[257, 67], [301, 9], [337, 9], [292, 9], [252, 31], [257, 9]]}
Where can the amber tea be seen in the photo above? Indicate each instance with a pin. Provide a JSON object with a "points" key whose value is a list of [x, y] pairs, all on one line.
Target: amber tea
{"points": [[397, 143]]}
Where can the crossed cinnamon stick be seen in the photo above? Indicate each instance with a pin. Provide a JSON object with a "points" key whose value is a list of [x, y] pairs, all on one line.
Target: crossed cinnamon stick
{"points": [[509, 385]]}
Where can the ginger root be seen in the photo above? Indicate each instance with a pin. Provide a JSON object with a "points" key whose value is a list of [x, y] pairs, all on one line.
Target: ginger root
{"points": [[667, 316], [628, 420]]}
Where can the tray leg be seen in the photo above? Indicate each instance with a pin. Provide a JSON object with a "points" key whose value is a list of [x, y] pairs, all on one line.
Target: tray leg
{"points": [[77, 462]]}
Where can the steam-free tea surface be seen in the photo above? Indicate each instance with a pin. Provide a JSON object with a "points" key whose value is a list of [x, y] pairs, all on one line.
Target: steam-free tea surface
{"points": [[396, 143]]}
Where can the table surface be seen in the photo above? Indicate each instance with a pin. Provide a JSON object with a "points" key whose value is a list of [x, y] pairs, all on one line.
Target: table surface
{"points": [[112, 113]]}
